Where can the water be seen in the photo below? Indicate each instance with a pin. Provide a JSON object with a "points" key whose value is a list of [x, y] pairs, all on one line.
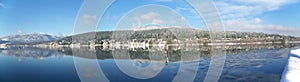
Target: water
{"points": [[242, 64]]}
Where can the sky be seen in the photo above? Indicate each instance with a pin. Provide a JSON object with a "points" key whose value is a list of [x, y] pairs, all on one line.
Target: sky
{"points": [[58, 16]]}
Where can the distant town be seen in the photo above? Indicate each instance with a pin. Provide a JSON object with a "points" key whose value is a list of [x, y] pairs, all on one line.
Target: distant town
{"points": [[146, 38]]}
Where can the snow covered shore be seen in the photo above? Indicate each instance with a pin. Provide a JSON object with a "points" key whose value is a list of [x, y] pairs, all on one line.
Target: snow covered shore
{"points": [[291, 72]]}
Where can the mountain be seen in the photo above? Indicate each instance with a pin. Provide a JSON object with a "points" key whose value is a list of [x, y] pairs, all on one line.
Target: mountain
{"points": [[29, 38]]}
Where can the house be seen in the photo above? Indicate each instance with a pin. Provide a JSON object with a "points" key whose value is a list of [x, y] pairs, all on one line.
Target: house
{"points": [[3, 46]]}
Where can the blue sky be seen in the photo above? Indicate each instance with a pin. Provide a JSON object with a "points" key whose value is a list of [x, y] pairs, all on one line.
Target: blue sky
{"points": [[58, 16]]}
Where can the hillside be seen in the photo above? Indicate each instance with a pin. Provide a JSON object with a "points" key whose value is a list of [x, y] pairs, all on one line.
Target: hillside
{"points": [[168, 34]]}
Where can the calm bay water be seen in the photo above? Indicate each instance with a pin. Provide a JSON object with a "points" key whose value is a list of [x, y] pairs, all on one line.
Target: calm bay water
{"points": [[242, 64]]}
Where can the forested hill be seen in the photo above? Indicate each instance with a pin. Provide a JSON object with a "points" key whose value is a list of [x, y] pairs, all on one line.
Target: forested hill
{"points": [[168, 34]]}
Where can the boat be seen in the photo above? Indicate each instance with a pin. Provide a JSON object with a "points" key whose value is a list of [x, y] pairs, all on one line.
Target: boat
{"points": [[291, 72]]}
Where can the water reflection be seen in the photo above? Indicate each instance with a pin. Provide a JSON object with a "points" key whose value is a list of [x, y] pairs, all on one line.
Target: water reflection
{"points": [[243, 63]]}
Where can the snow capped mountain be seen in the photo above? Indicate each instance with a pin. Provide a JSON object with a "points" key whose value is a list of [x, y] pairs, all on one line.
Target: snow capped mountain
{"points": [[29, 38]]}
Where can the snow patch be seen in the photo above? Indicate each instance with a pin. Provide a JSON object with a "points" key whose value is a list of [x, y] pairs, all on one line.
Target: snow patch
{"points": [[4, 39], [292, 69]]}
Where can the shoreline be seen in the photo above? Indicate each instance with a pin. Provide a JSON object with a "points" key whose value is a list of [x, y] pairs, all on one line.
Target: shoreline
{"points": [[166, 46]]}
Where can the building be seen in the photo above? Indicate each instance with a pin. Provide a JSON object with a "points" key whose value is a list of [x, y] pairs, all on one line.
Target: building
{"points": [[3, 46]]}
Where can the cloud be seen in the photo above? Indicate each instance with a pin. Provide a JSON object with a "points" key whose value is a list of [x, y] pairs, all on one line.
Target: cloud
{"points": [[255, 25], [267, 4], [238, 15], [157, 21], [242, 8], [2, 5], [257, 20], [89, 19], [147, 18], [150, 16], [152, 19]]}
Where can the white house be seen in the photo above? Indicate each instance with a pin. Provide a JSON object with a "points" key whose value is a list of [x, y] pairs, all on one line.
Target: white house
{"points": [[3, 46]]}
